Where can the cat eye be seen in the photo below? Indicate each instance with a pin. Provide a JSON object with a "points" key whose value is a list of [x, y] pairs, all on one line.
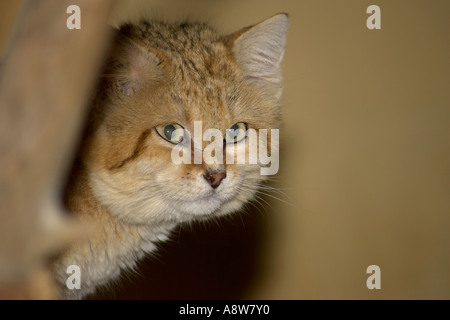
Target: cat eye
{"points": [[174, 133], [236, 133]]}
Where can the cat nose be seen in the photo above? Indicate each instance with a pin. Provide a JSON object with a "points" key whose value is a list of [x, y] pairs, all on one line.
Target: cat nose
{"points": [[215, 178]]}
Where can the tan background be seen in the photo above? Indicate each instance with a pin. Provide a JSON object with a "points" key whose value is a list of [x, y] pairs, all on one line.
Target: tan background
{"points": [[365, 161]]}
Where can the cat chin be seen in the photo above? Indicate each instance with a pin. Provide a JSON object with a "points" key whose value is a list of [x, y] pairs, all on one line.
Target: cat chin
{"points": [[203, 214], [205, 206], [160, 213]]}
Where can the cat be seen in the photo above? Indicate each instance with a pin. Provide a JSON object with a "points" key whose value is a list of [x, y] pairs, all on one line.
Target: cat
{"points": [[159, 79]]}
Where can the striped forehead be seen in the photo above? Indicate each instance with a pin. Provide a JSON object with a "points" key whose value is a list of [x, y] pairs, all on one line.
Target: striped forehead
{"points": [[208, 105]]}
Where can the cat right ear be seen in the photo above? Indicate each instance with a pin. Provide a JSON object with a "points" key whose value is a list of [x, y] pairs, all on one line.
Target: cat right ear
{"points": [[132, 65], [259, 50]]}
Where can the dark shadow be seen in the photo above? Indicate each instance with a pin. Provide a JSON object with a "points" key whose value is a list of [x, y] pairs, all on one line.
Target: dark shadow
{"points": [[216, 260]]}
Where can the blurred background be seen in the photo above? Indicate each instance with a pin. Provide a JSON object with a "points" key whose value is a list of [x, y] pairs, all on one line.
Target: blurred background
{"points": [[365, 160]]}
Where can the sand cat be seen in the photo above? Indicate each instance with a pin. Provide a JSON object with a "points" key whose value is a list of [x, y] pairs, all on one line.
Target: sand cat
{"points": [[161, 83]]}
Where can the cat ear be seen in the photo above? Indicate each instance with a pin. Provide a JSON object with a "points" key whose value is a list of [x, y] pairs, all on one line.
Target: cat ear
{"points": [[259, 49], [133, 64]]}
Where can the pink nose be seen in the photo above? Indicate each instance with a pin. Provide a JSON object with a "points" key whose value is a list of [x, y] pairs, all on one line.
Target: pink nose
{"points": [[215, 178]]}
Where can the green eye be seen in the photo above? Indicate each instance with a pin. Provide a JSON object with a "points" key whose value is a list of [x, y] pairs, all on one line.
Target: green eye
{"points": [[172, 132], [236, 132]]}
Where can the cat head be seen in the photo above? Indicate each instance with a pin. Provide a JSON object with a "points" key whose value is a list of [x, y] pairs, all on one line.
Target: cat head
{"points": [[161, 82]]}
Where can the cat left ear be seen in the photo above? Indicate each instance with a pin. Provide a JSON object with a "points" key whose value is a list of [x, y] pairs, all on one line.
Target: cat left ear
{"points": [[259, 49], [133, 64]]}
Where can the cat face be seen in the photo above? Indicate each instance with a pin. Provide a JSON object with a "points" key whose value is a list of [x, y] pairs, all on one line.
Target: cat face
{"points": [[165, 79]]}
